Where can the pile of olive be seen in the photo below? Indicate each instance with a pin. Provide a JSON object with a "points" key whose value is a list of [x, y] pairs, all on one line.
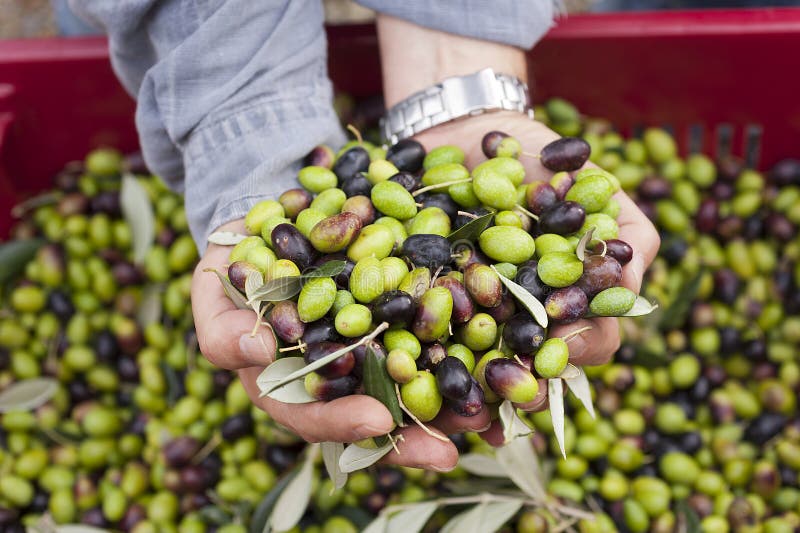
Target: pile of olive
{"points": [[400, 219], [698, 412]]}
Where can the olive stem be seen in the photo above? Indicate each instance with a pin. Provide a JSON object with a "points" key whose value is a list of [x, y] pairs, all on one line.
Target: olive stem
{"points": [[529, 154], [467, 214], [299, 346], [576, 333], [435, 275], [209, 447], [394, 441], [56, 437], [325, 360], [259, 316], [439, 186], [425, 428], [355, 132], [605, 247], [526, 212], [419, 204]]}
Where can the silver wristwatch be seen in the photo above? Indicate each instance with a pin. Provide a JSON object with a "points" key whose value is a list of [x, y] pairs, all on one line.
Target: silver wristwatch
{"points": [[453, 98]]}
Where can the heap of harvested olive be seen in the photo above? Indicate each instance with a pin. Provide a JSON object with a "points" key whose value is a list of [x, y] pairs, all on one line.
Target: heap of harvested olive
{"points": [[697, 418], [426, 247]]}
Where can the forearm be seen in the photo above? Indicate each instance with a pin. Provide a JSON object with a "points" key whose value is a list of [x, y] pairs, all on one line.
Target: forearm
{"points": [[414, 57]]}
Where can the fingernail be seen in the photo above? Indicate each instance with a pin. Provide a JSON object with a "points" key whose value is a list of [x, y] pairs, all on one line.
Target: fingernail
{"points": [[256, 349], [484, 428], [440, 468], [637, 268], [368, 430]]}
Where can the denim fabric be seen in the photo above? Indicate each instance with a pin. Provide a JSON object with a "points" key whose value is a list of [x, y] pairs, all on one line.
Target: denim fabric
{"points": [[233, 93]]}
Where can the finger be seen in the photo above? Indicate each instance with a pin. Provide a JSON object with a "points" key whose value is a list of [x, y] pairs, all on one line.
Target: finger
{"points": [[346, 419], [420, 450], [637, 230], [225, 333], [449, 422], [540, 402], [594, 346], [494, 435]]}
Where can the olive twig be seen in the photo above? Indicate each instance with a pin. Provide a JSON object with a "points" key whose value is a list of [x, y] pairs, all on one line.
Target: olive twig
{"points": [[425, 428], [209, 447], [355, 132], [299, 346], [467, 214], [394, 440], [526, 212], [441, 185], [576, 333]]}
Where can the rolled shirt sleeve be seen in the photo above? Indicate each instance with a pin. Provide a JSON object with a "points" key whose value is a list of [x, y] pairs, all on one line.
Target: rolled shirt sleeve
{"points": [[519, 23], [231, 95]]}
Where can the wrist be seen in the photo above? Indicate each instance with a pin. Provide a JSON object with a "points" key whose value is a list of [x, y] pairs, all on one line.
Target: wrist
{"points": [[415, 58]]}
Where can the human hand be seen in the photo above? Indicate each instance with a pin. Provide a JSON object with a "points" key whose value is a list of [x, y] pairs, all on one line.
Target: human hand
{"points": [[224, 335], [596, 345]]}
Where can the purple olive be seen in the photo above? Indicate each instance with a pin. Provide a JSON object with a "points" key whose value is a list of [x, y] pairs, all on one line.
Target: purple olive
{"points": [[565, 154]]}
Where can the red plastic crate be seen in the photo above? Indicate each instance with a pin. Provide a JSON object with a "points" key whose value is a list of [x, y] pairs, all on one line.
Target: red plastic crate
{"points": [[719, 79]]}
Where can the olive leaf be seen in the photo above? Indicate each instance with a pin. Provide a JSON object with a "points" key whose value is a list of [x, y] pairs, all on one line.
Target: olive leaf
{"points": [[322, 361], [40, 200], [331, 452], [259, 522], [174, 385], [378, 525], [138, 212], [580, 249], [294, 392], [27, 394], [14, 255], [521, 465], [412, 519], [277, 290], [481, 465], [328, 270], [226, 238], [675, 315], [291, 505], [513, 425], [379, 385], [555, 394], [252, 283], [355, 457], [150, 308], [230, 291], [527, 299], [78, 528], [641, 307], [472, 229], [579, 385], [688, 521], [489, 516]]}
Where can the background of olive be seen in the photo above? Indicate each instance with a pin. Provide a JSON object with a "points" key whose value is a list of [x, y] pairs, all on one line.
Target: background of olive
{"points": [[669, 405]]}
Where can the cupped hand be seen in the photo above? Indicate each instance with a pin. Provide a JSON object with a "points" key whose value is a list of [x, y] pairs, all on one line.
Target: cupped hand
{"points": [[225, 337], [592, 346]]}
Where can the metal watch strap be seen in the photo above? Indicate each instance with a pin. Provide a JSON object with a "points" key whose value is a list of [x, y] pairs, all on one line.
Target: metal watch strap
{"points": [[454, 98]]}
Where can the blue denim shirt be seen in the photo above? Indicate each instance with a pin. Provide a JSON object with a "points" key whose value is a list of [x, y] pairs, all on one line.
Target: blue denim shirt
{"points": [[231, 94]]}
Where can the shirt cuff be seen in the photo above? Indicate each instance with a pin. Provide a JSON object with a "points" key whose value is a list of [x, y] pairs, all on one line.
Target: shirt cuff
{"points": [[262, 144]]}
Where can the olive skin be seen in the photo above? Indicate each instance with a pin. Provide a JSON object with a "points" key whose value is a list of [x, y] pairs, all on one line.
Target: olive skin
{"points": [[463, 308], [320, 330], [395, 307], [565, 154], [356, 185], [471, 404], [337, 368], [407, 180], [510, 380], [453, 379], [351, 163], [562, 218], [290, 244], [427, 250], [407, 155], [523, 334]]}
